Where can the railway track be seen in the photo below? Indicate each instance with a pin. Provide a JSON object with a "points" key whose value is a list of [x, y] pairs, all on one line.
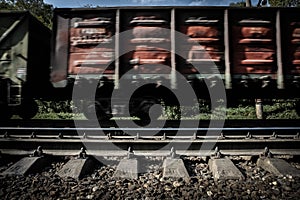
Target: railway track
{"points": [[169, 160], [169, 123], [116, 141]]}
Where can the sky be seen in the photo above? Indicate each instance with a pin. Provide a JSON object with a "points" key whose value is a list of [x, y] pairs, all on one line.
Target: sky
{"points": [[108, 3]]}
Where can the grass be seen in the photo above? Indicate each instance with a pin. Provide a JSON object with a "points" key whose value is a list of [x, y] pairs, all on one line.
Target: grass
{"points": [[243, 109], [281, 109]]}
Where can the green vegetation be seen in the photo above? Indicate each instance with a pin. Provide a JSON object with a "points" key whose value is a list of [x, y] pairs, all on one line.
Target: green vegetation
{"points": [[284, 3], [243, 109], [282, 109], [238, 4], [38, 8], [58, 110], [273, 3]]}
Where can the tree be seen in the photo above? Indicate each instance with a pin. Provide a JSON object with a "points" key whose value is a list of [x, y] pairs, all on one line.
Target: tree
{"points": [[284, 3], [38, 8], [262, 3], [246, 3], [273, 3], [238, 4]]}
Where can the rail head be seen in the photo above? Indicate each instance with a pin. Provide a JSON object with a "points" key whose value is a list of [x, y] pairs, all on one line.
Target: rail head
{"points": [[152, 129]]}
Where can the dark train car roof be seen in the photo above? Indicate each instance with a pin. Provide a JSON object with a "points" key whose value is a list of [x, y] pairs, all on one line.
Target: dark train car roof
{"points": [[84, 9]]}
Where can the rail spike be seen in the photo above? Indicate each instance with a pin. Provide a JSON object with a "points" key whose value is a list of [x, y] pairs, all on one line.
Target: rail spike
{"points": [[137, 136], [249, 135], [194, 137], [164, 137], [274, 135], [33, 135], [173, 153], [60, 135], [109, 137], [297, 136], [217, 153], [130, 153], [267, 153], [38, 152], [82, 154], [6, 135], [222, 136]]}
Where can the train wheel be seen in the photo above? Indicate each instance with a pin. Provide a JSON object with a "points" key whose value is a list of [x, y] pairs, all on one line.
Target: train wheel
{"points": [[95, 109], [28, 109], [148, 109], [6, 112], [89, 111], [298, 107], [103, 113]]}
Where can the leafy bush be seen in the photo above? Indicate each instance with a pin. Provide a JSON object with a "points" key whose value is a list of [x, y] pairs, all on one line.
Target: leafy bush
{"points": [[243, 109], [58, 110]]}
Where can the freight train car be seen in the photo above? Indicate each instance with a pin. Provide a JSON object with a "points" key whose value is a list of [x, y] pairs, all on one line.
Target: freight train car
{"points": [[24, 63], [253, 52]]}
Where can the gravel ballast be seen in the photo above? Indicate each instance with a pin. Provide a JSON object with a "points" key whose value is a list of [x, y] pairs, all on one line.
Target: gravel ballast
{"points": [[100, 184]]}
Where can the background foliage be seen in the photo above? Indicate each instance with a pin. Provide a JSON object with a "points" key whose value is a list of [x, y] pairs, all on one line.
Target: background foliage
{"points": [[273, 109], [44, 11], [285, 3], [38, 8]]}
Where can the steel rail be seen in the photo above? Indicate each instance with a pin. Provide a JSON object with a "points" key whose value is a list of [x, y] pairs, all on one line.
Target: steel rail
{"points": [[153, 137], [148, 129], [162, 153], [155, 143], [57, 139]]}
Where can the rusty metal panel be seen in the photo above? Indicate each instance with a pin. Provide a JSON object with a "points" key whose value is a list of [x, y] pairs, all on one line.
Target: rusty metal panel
{"points": [[253, 42], [150, 32], [206, 28], [202, 32], [297, 56], [290, 20], [257, 69], [85, 33], [91, 49], [59, 72], [256, 32], [151, 69], [295, 32], [147, 20], [83, 43], [256, 57], [295, 46], [255, 48], [88, 36], [205, 53], [150, 41], [95, 62], [202, 29], [150, 55]]}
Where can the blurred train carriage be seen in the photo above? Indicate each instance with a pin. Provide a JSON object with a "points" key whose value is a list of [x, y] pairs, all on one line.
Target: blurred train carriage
{"points": [[253, 51], [290, 24], [24, 63]]}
